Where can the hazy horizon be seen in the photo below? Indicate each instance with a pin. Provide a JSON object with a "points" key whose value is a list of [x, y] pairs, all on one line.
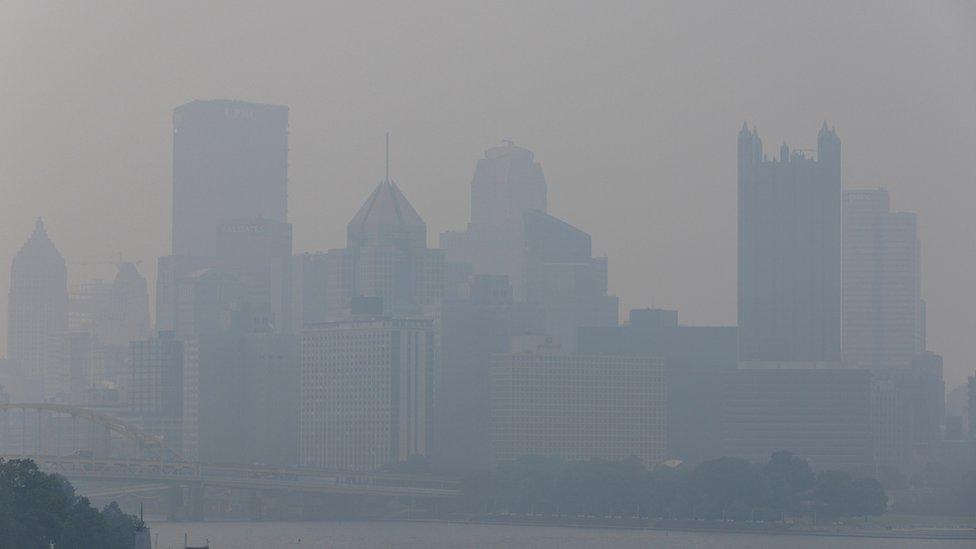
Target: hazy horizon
{"points": [[633, 113]]}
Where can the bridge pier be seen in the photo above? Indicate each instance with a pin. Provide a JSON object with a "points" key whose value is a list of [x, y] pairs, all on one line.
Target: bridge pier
{"points": [[256, 505], [187, 506], [196, 502], [175, 501]]}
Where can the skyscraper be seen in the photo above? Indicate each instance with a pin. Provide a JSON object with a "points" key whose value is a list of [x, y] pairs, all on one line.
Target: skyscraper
{"points": [[257, 252], [230, 161], [130, 304], [366, 384], [560, 274], [789, 251], [881, 305], [386, 256], [37, 320], [507, 182]]}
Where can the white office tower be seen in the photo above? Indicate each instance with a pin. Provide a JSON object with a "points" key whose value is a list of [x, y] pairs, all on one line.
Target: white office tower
{"points": [[37, 321]]}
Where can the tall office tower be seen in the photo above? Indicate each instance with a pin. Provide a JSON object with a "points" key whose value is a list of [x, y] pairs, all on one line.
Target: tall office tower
{"points": [[560, 274], [171, 270], [37, 318], [240, 398], [209, 302], [257, 252], [576, 407], [156, 386], [821, 414], [789, 251], [881, 305], [473, 328], [971, 405], [130, 306], [386, 257], [695, 357], [366, 384], [230, 161], [507, 182]]}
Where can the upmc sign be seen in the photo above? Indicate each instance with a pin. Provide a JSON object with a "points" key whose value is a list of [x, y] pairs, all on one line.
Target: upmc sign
{"points": [[239, 113]]}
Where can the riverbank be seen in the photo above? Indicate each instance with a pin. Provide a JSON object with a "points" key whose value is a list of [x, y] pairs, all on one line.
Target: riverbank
{"points": [[848, 530]]}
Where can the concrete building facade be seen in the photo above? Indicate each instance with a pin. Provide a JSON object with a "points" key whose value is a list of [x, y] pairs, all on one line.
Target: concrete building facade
{"points": [[577, 407], [366, 392]]}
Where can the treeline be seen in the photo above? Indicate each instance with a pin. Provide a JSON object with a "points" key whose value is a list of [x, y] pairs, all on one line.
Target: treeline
{"points": [[39, 509], [725, 488]]}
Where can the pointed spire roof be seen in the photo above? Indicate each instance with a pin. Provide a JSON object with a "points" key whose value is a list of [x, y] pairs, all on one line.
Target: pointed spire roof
{"points": [[385, 212], [39, 249]]}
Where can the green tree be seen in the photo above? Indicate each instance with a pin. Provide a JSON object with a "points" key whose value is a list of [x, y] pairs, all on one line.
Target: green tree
{"points": [[788, 478], [37, 509]]}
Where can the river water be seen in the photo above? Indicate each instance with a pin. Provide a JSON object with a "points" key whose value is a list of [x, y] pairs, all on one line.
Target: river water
{"points": [[413, 535]]}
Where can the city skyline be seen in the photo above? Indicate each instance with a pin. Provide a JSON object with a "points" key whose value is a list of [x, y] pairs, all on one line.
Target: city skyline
{"points": [[917, 149]]}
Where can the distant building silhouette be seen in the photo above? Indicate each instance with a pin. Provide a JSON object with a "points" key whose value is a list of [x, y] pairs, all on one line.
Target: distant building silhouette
{"points": [[971, 405], [472, 329], [507, 182], [366, 391], [156, 386], [789, 251], [257, 253], [230, 161], [908, 408], [240, 398], [37, 317], [561, 275], [386, 256], [881, 304], [130, 303], [576, 407], [821, 413], [695, 357], [547, 261], [104, 317]]}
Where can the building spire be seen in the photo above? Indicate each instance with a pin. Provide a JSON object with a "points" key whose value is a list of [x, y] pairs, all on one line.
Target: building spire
{"points": [[387, 157]]}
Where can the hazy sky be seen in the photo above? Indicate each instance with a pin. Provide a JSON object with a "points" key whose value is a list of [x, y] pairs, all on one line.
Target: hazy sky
{"points": [[632, 108]]}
